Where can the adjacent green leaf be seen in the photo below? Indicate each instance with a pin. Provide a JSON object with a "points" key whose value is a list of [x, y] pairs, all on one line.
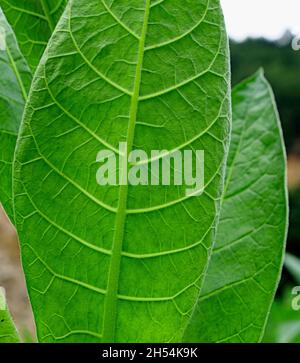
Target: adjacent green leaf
{"points": [[247, 258], [122, 263], [33, 22], [292, 263], [8, 331], [14, 84]]}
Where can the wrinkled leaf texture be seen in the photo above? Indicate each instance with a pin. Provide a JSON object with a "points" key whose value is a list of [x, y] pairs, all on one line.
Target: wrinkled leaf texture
{"points": [[33, 22], [113, 263], [246, 262]]}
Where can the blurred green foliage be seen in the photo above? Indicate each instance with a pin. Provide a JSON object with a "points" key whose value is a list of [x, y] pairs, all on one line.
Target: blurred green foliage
{"points": [[284, 322], [294, 227], [282, 68]]}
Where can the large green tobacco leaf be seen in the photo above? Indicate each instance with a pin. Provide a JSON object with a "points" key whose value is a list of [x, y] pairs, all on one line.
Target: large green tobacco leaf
{"points": [[247, 258], [8, 332], [33, 22], [14, 83], [119, 263]]}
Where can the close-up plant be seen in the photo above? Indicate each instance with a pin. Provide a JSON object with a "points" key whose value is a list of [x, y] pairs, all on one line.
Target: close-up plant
{"points": [[140, 256]]}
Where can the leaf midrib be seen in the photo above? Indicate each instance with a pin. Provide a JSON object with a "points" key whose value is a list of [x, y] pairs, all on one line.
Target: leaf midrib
{"points": [[110, 305]]}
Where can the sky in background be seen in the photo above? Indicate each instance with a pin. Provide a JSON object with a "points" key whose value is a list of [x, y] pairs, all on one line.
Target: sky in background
{"points": [[256, 18]]}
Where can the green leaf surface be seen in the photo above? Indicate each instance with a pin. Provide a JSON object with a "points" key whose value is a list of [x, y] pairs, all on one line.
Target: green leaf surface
{"points": [[14, 84], [246, 262], [33, 22], [8, 331], [121, 263]]}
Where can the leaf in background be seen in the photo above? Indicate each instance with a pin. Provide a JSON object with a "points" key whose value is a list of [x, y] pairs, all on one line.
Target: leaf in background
{"points": [[292, 263], [8, 331], [33, 22], [14, 84], [246, 263], [121, 263]]}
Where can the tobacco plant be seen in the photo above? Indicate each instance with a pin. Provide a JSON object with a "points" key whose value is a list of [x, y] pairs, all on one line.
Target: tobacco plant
{"points": [[144, 263]]}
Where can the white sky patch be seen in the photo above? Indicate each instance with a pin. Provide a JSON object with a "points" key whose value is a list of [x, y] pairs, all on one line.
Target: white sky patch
{"points": [[261, 18]]}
